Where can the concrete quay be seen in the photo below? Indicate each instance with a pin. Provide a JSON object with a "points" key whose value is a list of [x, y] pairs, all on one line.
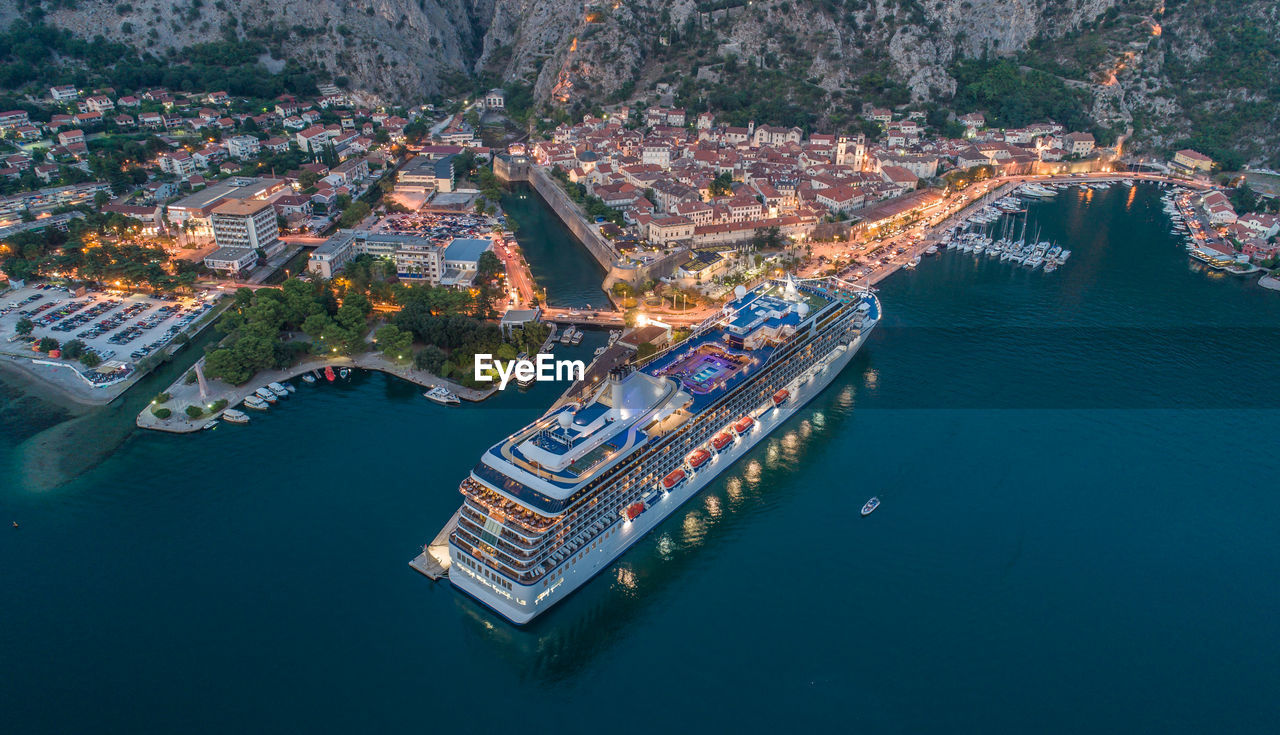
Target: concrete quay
{"points": [[434, 560], [182, 394]]}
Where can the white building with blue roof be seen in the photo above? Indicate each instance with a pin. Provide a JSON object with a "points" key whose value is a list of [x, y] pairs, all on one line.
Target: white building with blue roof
{"points": [[462, 259]]}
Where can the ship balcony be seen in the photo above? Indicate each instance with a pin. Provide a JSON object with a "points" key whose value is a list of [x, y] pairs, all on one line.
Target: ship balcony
{"points": [[471, 548], [516, 548], [513, 511], [517, 534], [516, 563]]}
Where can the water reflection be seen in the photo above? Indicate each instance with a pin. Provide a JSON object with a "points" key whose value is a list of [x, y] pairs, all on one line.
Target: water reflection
{"points": [[560, 643]]}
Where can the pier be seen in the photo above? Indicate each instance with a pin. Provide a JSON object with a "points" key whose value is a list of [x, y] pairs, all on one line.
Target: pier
{"points": [[185, 394], [434, 561], [583, 317]]}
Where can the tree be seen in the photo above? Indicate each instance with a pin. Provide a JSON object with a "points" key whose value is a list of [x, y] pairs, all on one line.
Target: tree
{"points": [[316, 324], [48, 344], [73, 349], [195, 412], [722, 184], [354, 214], [349, 317], [430, 358], [393, 342], [90, 360], [24, 326]]}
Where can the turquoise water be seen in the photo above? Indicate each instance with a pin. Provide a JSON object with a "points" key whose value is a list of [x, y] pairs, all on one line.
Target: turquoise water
{"points": [[559, 263], [1077, 534]]}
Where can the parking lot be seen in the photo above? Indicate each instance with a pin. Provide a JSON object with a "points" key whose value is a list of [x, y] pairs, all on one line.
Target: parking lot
{"points": [[443, 226], [121, 328]]}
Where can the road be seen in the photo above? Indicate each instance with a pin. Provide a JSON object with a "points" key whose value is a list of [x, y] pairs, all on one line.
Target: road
{"points": [[518, 275]]}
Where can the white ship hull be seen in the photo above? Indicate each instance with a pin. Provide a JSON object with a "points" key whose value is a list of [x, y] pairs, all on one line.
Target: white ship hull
{"points": [[522, 603]]}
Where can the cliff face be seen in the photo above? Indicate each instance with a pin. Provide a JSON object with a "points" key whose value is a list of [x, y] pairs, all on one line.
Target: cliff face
{"points": [[1147, 62], [396, 49], [407, 48]]}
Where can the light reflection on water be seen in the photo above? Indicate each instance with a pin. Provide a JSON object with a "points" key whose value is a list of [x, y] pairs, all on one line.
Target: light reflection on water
{"points": [[626, 578], [694, 529]]}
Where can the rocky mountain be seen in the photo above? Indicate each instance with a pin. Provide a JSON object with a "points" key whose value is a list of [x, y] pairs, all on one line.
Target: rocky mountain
{"points": [[1157, 66]]}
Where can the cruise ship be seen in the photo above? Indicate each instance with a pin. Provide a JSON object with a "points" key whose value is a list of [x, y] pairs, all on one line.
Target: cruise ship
{"points": [[553, 504]]}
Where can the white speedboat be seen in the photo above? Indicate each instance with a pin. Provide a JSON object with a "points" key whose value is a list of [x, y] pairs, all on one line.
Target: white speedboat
{"points": [[442, 395], [233, 416], [343, 373], [870, 505], [308, 378]]}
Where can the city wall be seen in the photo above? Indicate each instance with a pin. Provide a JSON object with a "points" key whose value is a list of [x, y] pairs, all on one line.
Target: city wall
{"points": [[519, 168]]}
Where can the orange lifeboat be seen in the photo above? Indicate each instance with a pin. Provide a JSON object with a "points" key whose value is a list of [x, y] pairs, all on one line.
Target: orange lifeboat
{"points": [[673, 480], [631, 512], [699, 458], [721, 440], [781, 397], [744, 425]]}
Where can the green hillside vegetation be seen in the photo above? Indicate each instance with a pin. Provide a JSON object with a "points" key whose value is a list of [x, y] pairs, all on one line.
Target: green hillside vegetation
{"points": [[36, 56]]}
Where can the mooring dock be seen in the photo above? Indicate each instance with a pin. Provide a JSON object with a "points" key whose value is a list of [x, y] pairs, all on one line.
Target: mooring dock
{"points": [[434, 559]]}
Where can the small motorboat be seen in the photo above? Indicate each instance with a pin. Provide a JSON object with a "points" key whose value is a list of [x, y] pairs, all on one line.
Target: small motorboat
{"points": [[279, 390], [442, 395], [870, 506], [209, 425], [233, 416], [344, 373], [266, 395], [308, 378], [328, 373], [255, 403]]}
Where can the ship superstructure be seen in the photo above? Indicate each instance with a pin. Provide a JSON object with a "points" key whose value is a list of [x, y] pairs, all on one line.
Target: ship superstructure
{"points": [[556, 502]]}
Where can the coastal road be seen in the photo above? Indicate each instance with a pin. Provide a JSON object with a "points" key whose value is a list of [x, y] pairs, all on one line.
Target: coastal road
{"points": [[518, 274]]}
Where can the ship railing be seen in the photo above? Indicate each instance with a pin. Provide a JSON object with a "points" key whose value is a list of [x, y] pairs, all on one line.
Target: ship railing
{"points": [[515, 565], [520, 548]]}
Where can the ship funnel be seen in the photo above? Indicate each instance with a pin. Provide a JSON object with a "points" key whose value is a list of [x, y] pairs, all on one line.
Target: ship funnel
{"points": [[616, 397]]}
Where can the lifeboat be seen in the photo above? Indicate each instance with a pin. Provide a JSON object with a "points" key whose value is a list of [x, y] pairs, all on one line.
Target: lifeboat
{"points": [[744, 425], [633, 511], [699, 458], [721, 440], [781, 397], [673, 480]]}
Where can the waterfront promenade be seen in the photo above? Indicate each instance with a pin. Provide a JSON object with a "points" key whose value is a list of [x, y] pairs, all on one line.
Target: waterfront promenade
{"points": [[919, 236], [183, 394]]}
